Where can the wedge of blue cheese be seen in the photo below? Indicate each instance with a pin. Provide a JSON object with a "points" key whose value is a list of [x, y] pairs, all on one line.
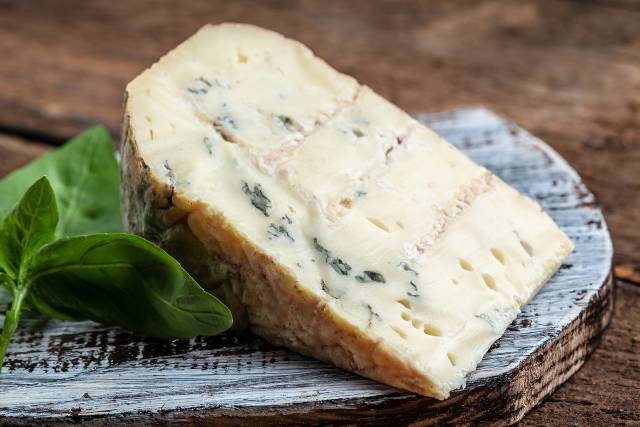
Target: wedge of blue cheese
{"points": [[329, 220]]}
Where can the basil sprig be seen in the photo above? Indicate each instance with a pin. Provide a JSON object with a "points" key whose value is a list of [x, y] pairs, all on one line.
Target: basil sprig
{"points": [[113, 278], [30, 225]]}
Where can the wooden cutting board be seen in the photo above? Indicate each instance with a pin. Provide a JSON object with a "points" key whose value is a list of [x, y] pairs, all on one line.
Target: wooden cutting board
{"points": [[60, 372]]}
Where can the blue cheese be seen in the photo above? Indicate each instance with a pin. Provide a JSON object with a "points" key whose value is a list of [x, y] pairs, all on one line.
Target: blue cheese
{"points": [[328, 219]]}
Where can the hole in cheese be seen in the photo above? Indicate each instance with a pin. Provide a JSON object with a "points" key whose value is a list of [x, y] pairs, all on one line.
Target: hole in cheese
{"points": [[416, 323], [527, 247], [488, 280], [378, 224], [431, 330], [498, 255], [405, 316], [452, 358], [465, 265], [399, 332], [405, 303], [357, 132], [346, 203]]}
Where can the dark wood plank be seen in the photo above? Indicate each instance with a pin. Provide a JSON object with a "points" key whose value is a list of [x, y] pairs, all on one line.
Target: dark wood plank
{"points": [[16, 152], [567, 71], [244, 380], [606, 391]]}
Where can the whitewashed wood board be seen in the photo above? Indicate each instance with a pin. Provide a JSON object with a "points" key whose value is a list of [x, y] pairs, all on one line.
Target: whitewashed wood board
{"points": [[60, 372]]}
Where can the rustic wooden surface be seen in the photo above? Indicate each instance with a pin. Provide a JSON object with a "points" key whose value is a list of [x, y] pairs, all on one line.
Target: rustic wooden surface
{"points": [[228, 381], [567, 71]]}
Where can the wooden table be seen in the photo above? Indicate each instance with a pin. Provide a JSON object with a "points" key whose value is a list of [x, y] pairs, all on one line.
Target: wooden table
{"points": [[568, 72]]}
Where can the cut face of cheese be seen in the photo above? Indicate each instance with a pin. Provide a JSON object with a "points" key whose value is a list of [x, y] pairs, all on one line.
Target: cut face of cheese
{"points": [[329, 220]]}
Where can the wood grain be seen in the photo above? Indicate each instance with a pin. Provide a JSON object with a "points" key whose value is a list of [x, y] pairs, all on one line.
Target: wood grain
{"points": [[233, 380], [568, 71]]}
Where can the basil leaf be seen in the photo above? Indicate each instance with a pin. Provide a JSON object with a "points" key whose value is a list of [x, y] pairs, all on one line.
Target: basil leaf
{"points": [[85, 176], [28, 227], [122, 279]]}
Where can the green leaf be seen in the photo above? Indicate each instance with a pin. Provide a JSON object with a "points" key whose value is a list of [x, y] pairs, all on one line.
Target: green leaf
{"points": [[85, 176], [28, 227], [122, 279]]}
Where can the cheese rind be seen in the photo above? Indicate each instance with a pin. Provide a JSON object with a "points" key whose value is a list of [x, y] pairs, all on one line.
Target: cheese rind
{"points": [[328, 220]]}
